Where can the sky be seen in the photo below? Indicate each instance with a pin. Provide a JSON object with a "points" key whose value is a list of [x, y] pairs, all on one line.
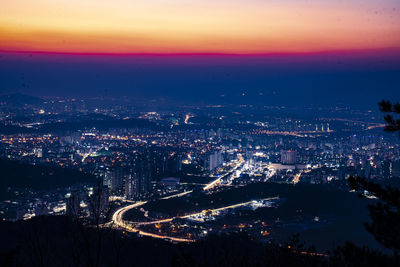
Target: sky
{"points": [[235, 51], [198, 26]]}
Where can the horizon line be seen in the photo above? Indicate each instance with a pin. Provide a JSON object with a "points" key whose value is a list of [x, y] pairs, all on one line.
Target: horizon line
{"points": [[395, 50]]}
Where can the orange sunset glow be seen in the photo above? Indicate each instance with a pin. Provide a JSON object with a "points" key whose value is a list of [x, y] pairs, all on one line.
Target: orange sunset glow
{"points": [[177, 26]]}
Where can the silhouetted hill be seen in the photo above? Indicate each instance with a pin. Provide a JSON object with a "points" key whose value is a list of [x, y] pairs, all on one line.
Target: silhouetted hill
{"points": [[19, 100], [37, 177], [60, 241]]}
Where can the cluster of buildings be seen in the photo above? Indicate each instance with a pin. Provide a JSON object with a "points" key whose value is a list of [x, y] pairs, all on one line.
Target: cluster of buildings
{"points": [[151, 160]]}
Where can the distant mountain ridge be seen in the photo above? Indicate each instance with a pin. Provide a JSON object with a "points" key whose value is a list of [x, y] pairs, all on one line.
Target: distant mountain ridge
{"points": [[19, 100]]}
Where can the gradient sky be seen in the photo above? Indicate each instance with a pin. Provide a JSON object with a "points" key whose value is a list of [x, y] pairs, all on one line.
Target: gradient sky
{"points": [[285, 51], [198, 26]]}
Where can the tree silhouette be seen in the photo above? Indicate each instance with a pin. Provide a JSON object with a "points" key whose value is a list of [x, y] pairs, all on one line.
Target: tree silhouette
{"points": [[385, 214], [392, 109]]}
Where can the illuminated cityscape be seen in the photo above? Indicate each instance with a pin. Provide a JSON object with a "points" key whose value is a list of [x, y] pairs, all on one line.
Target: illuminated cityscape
{"points": [[156, 157], [200, 133]]}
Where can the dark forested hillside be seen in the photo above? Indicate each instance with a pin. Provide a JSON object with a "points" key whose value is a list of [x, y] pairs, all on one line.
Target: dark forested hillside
{"points": [[37, 177]]}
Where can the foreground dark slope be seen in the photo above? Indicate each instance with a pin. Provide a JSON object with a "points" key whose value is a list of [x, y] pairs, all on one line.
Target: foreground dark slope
{"points": [[59, 241]]}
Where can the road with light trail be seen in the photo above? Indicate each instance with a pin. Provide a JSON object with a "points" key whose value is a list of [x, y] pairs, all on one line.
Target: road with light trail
{"points": [[119, 222], [218, 180]]}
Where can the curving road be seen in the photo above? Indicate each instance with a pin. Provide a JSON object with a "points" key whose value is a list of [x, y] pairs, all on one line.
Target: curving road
{"points": [[119, 222], [130, 227]]}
